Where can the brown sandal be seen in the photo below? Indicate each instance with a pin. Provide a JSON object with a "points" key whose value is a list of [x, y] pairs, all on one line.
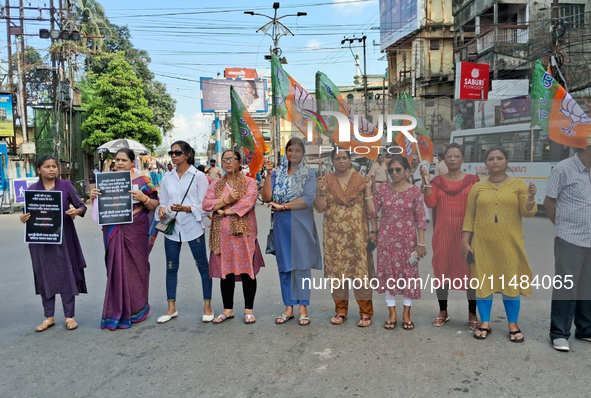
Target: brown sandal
{"points": [[44, 326], [71, 324], [338, 319], [363, 322]]}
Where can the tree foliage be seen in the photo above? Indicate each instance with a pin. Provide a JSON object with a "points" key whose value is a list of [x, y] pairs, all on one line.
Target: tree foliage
{"points": [[160, 102], [91, 17], [118, 108]]}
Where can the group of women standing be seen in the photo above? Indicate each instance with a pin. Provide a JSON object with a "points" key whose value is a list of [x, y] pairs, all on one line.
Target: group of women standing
{"points": [[470, 217], [478, 221]]}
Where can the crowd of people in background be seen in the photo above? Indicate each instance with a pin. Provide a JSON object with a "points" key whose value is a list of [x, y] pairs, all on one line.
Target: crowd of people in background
{"points": [[477, 233]]}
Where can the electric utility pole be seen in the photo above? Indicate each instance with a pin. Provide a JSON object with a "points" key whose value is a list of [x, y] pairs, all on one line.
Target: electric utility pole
{"points": [[361, 40], [278, 30]]}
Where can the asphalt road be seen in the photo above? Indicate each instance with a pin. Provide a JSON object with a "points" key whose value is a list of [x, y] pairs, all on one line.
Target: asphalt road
{"points": [[186, 358]]}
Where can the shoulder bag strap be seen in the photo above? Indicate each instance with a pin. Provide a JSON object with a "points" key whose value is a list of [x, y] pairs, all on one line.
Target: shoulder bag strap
{"points": [[186, 192]]}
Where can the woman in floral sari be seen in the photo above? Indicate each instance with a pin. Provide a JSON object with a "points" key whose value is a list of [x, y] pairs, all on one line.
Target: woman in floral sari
{"points": [[127, 248]]}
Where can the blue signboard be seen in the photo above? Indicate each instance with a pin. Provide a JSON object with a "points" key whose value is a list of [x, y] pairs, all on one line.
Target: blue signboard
{"points": [[20, 187], [398, 18], [3, 165]]}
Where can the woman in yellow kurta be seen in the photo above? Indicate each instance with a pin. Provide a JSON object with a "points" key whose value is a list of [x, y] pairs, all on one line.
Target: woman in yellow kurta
{"points": [[493, 236], [341, 196]]}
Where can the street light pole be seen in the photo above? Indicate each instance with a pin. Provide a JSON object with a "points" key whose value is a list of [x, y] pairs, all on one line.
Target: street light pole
{"points": [[277, 31]]}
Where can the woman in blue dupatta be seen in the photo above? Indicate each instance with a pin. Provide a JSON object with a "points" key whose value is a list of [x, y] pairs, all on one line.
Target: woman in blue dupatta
{"points": [[127, 248], [58, 269], [291, 193]]}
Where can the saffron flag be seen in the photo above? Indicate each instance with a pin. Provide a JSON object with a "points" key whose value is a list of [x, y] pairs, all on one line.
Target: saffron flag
{"points": [[406, 105], [556, 112], [330, 99], [246, 133], [290, 100]]}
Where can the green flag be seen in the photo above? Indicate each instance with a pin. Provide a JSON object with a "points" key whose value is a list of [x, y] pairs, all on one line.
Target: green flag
{"points": [[406, 105], [240, 130], [556, 112], [280, 82]]}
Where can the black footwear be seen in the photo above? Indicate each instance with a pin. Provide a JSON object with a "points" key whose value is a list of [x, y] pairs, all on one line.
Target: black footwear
{"points": [[513, 333], [480, 337]]}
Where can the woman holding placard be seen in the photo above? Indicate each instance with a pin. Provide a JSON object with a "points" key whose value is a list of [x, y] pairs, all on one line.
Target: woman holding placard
{"points": [[58, 268], [127, 248]]}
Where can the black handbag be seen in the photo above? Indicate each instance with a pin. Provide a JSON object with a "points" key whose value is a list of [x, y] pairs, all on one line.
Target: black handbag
{"points": [[270, 249], [167, 228]]}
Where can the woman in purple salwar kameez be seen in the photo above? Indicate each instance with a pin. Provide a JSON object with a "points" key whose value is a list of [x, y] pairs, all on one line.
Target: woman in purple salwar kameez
{"points": [[127, 248], [58, 269]]}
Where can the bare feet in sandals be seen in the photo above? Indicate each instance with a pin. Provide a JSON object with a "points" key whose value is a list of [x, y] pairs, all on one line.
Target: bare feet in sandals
{"points": [[390, 324], [440, 319], [286, 316], [46, 324], [515, 334], [71, 324], [407, 323], [338, 319], [304, 320]]}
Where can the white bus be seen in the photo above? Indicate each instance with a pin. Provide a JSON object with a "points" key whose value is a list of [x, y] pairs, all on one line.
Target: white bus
{"points": [[515, 139]]}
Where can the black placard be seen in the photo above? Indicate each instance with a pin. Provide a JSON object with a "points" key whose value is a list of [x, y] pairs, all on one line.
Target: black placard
{"points": [[115, 202], [47, 217]]}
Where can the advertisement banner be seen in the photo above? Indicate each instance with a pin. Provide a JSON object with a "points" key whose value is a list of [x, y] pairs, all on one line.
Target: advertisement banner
{"points": [[215, 94], [516, 109], [240, 73], [6, 119], [47, 217], [398, 18], [472, 81], [115, 202]]}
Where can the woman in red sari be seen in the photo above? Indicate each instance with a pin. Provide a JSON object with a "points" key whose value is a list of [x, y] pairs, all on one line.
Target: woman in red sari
{"points": [[447, 195], [127, 248]]}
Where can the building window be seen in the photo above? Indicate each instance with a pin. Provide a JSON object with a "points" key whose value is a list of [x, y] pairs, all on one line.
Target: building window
{"points": [[434, 44], [573, 15], [350, 99]]}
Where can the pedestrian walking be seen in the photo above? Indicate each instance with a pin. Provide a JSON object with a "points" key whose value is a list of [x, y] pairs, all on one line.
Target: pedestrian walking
{"points": [[447, 194], [181, 199], [214, 172], [127, 251], [58, 269], [403, 218], [568, 206], [341, 197], [235, 254], [493, 236], [291, 192]]}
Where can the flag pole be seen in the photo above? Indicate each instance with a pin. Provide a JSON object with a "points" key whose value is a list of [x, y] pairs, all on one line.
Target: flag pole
{"points": [[531, 154]]}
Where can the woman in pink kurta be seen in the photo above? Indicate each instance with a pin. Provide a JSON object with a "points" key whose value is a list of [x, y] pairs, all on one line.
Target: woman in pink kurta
{"points": [[403, 215], [235, 252], [447, 195]]}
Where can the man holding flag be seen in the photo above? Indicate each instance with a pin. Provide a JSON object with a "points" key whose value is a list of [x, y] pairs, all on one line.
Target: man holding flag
{"points": [[568, 206]]}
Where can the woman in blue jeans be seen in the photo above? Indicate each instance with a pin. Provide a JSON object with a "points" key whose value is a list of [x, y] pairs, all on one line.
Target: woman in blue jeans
{"points": [[181, 196]]}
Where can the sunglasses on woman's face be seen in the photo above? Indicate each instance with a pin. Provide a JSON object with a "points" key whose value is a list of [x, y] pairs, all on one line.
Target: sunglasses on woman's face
{"points": [[228, 160], [398, 170], [175, 153]]}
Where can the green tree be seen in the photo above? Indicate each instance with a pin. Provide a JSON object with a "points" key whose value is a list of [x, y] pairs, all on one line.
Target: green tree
{"points": [[93, 21], [160, 102], [119, 109]]}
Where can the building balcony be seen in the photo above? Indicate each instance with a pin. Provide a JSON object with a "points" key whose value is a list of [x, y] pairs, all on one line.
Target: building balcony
{"points": [[513, 34]]}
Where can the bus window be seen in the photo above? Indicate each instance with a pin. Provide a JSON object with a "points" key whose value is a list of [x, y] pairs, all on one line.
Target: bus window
{"points": [[470, 154], [486, 142]]}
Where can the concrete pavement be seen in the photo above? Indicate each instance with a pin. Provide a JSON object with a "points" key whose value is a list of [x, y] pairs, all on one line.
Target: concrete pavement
{"points": [[186, 358]]}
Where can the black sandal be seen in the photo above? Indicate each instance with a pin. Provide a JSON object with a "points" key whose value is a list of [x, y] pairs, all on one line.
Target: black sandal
{"points": [[513, 333], [480, 337]]}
